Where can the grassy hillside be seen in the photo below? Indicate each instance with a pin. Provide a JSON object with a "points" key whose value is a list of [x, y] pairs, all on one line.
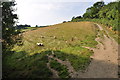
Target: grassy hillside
{"points": [[62, 41], [58, 37]]}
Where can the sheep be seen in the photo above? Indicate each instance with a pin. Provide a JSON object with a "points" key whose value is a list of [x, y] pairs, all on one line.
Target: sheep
{"points": [[55, 37], [40, 44], [42, 36], [91, 57], [20, 34], [66, 41]]}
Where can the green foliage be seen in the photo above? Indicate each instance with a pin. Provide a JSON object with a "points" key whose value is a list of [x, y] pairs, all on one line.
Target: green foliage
{"points": [[92, 12], [106, 14], [36, 26], [110, 15], [8, 28]]}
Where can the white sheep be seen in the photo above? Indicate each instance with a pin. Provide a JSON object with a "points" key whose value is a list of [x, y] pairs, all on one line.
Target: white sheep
{"points": [[40, 44], [20, 34]]}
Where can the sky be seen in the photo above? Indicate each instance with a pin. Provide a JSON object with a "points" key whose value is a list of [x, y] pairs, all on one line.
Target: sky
{"points": [[49, 12]]}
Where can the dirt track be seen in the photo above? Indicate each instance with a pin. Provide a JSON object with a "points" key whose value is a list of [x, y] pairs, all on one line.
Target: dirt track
{"points": [[105, 60]]}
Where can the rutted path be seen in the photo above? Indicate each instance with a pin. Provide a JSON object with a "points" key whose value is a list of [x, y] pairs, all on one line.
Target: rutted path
{"points": [[105, 60], [67, 63]]}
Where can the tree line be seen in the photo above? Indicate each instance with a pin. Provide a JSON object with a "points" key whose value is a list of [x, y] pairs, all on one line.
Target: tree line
{"points": [[100, 12], [22, 26]]}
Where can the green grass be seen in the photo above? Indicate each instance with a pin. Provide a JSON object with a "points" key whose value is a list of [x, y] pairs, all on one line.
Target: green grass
{"points": [[21, 65], [28, 28], [79, 57], [66, 40], [62, 69]]}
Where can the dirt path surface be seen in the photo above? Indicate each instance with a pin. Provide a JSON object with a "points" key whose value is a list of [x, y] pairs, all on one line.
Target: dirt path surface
{"points": [[105, 60]]}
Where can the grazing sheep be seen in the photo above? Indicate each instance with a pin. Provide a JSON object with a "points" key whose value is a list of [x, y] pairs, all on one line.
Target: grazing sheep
{"points": [[66, 41], [20, 34], [42, 36], [55, 37], [40, 44], [91, 57]]}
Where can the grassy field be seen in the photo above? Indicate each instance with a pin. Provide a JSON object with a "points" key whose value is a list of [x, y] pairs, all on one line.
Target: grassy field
{"points": [[64, 41], [58, 37]]}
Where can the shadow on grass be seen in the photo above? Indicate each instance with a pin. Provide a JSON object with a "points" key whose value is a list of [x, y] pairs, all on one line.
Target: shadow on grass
{"points": [[79, 62], [22, 65]]}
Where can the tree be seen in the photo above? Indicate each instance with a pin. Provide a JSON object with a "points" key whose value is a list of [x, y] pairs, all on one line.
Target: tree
{"points": [[36, 26], [86, 15], [78, 17], [64, 21], [92, 12], [8, 28], [110, 11], [8, 31], [73, 18], [99, 5]]}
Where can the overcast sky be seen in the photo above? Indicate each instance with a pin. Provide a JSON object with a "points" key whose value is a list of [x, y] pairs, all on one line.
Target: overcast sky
{"points": [[49, 12]]}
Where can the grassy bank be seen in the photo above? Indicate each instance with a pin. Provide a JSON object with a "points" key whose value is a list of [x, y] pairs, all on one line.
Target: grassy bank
{"points": [[65, 40]]}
